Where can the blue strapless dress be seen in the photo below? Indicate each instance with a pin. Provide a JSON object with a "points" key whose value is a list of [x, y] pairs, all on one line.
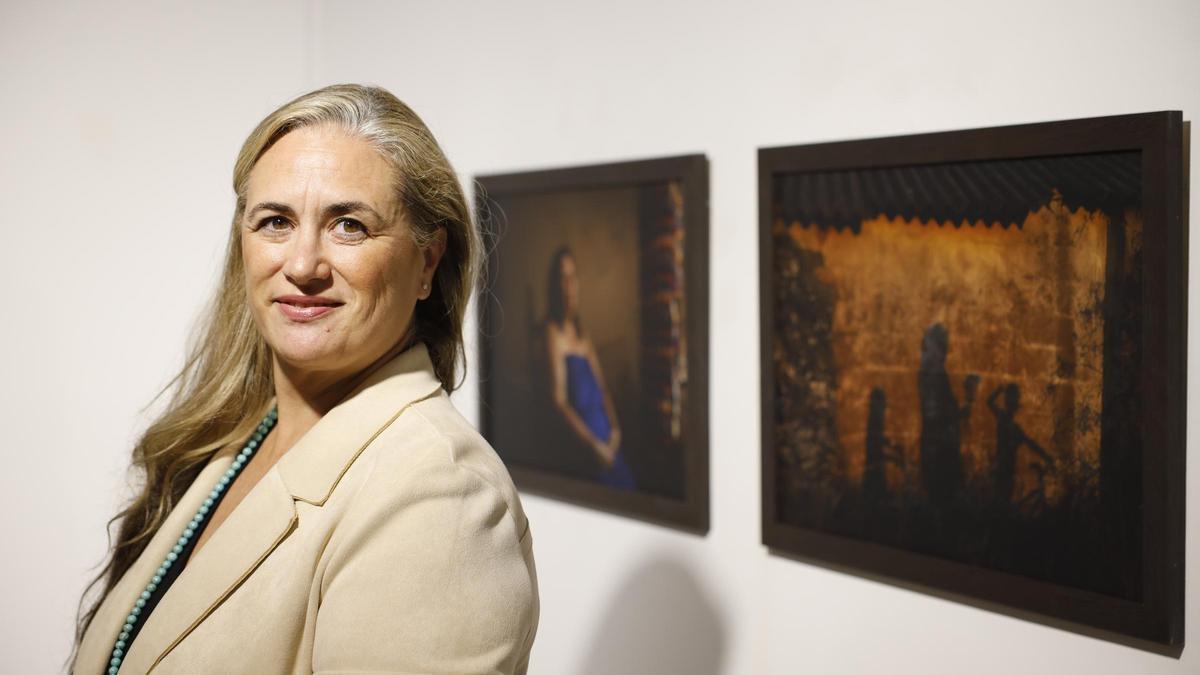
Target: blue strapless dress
{"points": [[585, 396]]}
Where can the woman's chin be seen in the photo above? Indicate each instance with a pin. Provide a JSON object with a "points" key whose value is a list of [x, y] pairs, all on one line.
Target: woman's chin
{"points": [[307, 354]]}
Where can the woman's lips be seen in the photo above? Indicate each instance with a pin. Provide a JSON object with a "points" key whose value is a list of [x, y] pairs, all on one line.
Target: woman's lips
{"points": [[304, 309]]}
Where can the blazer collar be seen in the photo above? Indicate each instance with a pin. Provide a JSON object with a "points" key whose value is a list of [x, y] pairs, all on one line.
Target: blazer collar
{"points": [[308, 472], [313, 467]]}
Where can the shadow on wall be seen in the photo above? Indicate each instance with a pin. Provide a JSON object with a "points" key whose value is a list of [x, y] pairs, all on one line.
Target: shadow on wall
{"points": [[659, 622]]}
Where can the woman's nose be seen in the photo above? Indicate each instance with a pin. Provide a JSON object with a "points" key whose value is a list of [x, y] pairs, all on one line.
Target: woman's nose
{"points": [[306, 260]]}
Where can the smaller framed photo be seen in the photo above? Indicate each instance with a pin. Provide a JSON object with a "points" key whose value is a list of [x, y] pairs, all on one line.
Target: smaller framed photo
{"points": [[594, 334]]}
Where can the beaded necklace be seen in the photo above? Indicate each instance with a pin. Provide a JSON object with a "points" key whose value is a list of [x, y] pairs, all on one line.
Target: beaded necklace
{"points": [[193, 527]]}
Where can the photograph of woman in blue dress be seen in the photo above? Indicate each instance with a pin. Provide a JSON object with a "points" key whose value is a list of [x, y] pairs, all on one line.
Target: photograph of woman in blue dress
{"points": [[593, 335], [577, 383]]}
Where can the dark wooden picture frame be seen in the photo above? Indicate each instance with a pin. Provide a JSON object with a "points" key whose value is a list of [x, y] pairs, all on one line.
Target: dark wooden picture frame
{"points": [[953, 184], [611, 217]]}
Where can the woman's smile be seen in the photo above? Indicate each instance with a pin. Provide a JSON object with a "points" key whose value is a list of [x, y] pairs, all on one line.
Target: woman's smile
{"points": [[303, 308]]}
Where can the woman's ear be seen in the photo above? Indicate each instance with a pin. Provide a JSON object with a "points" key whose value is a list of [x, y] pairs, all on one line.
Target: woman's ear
{"points": [[432, 254]]}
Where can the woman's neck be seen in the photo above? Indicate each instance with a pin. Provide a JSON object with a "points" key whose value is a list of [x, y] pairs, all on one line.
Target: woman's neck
{"points": [[302, 397], [570, 324]]}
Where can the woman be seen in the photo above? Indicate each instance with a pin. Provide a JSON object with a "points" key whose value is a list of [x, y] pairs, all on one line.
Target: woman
{"points": [[312, 500], [576, 381]]}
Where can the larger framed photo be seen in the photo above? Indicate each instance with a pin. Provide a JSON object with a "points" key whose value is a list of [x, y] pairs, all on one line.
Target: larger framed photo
{"points": [[973, 366], [594, 334]]}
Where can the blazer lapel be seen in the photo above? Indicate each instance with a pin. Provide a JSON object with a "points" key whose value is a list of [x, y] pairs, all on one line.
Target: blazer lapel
{"points": [[260, 522], [309, 471]]}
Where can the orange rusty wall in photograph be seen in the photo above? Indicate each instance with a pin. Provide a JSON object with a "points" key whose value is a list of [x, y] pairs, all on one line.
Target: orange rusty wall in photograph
{"points": [[1021, 305]]}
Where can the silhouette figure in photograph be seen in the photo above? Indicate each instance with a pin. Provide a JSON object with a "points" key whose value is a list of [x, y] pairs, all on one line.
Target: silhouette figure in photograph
{"points": [[942, 419], [874, 483], [1009, 439]]}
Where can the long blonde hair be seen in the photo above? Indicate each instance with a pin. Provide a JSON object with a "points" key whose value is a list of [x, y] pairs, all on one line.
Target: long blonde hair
{"points": [[226, 381]]}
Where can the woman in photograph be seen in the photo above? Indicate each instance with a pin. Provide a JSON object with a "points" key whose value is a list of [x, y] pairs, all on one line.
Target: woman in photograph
{"points": [[577, 382], [310, 499]]}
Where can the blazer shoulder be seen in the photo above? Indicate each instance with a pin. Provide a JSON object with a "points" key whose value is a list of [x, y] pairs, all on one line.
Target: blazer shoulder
{"points": [[432, 438], [435, 527]]}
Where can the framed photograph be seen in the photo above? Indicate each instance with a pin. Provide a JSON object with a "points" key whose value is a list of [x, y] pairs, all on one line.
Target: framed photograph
{"points": [[594, 334], [973, 366]]}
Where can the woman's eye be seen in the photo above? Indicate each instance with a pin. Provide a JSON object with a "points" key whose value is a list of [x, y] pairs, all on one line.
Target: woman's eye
{"points": [[273, 223], [349, 227]]}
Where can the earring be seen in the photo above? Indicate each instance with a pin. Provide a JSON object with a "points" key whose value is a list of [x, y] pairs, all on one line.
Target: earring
{"points": [[425, 286]]}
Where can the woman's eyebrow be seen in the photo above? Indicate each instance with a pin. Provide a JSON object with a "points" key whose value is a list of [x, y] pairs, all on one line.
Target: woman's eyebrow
{"points": [[270, 206], [342, 208]]}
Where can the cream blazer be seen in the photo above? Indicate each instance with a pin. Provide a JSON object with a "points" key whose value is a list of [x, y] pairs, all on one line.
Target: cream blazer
{"points": [[388, 539]]}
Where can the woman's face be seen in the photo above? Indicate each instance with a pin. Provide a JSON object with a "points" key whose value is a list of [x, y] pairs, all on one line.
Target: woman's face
{"points": [[332, 272], [570, 285]]}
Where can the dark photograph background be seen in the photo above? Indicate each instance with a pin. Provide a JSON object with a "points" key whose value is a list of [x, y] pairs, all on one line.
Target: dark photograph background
{"points": [[957, 350]]}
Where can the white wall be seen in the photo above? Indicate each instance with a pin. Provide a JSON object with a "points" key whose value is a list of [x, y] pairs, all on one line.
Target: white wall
{"points": [[119, 127]]}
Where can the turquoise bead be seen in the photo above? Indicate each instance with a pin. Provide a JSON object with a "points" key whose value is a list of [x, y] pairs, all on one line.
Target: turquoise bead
{"points": [[208, 502], [250, 446], [122, 638], [115, 662], [135, 611], [145, 595], [156, 580], [118, 653], [152, 587], [172, 556]]}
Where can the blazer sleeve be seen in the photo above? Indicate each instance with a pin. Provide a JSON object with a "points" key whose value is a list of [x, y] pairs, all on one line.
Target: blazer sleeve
{"points": [[431, 574]]}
